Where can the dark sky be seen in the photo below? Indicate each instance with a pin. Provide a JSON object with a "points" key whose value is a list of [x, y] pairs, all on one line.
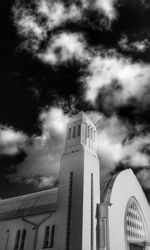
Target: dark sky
{"points": [[58, 58]]}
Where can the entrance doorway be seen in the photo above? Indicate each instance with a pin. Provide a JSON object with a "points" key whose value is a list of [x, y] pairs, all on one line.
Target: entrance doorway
{"points": [[135, 247]]}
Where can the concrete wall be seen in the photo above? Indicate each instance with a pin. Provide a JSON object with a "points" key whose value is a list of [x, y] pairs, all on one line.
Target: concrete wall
{"points": [[8, 230], [126, 185], [82, 163]]}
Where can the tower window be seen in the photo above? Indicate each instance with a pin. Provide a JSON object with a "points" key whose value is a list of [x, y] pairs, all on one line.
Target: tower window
{"points": [[46, 237], [79, 130], [103, 232], [16, 246], [69, 210], [49, 237], [93, 135], [88, 131], [74, 132], [69, 134], [23, 236], [92, 212], [52, 236]]}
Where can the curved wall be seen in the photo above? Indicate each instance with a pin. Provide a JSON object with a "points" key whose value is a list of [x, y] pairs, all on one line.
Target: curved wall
{"points": [[125, 186]]}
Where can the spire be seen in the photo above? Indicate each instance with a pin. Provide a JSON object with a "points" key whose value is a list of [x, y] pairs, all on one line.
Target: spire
{"points": [[81, 132]]}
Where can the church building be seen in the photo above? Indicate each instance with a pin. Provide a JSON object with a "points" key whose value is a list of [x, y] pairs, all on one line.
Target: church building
{"points": [[73, 216]]}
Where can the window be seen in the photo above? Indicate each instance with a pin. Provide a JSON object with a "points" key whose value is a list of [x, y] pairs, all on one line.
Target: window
{"points": [[52, 236], [49, 237], [79, 130], [16, 246], [69, 134], [103, 232], [88, 131], [69, 210], [135, 228], [93, 135], [74, 132], [23, 236], [92, 212], [46, 237]]}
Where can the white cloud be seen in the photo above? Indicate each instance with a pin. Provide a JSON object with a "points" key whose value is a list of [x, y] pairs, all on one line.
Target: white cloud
{"points": [[41, 165], [26, 22], [108, 7], [64, 47], [144, 177], [137, 46], [103, 70], [54, 121], [11, 141], [111, 147], [57, 13]]}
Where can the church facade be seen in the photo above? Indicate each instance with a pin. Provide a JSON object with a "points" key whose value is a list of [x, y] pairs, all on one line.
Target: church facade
{"points": [[73, 216]]}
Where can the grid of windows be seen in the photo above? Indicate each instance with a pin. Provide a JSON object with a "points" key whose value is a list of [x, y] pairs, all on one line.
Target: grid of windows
{"points": [[74, 132], [135, 228]]}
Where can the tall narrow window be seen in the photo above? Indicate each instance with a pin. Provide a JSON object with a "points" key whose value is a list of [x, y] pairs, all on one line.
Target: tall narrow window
{"points": [[103, 232], [92, 213], [69, 211], [94, 135], [69, 134], [79, 130], [88, 131], [46, 237], [52, 236], [16, 246], [74, 132], [23, 236]]}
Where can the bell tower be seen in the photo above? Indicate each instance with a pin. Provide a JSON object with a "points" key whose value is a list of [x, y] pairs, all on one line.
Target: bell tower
{"points": [[79, 187]]}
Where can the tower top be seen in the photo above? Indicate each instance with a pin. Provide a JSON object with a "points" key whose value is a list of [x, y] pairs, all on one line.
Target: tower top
{"points": [[81, 133]]}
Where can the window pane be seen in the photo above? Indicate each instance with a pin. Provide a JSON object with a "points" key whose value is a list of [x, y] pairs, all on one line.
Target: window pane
{"points": [[16, 246], [79, 129], [103, 233], [46, 237], [52, 236], [69, 134], [23, 239]]}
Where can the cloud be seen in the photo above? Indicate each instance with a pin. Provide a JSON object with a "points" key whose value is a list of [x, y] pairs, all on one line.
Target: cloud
{"points": [[37, 24], [108, 7], [57, 13], [144, 177], [115, 145], [64, 47], [41, 165], [11, 141], [109, 69], [135, 46]]}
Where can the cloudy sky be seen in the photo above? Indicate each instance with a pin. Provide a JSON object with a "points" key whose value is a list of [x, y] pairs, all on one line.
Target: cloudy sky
{"points": [[58, 58]]}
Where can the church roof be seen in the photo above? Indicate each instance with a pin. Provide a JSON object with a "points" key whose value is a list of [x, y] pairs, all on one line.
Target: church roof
{"points": [[30, 204], [107, 185]]}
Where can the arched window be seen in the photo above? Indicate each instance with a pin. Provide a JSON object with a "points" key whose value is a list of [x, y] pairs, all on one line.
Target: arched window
{"points": [[23, 236], [46, 237], [135, 227], [17, 240]]}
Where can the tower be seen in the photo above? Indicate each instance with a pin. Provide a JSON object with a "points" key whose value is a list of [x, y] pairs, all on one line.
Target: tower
{"points": [[79, 188]]}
